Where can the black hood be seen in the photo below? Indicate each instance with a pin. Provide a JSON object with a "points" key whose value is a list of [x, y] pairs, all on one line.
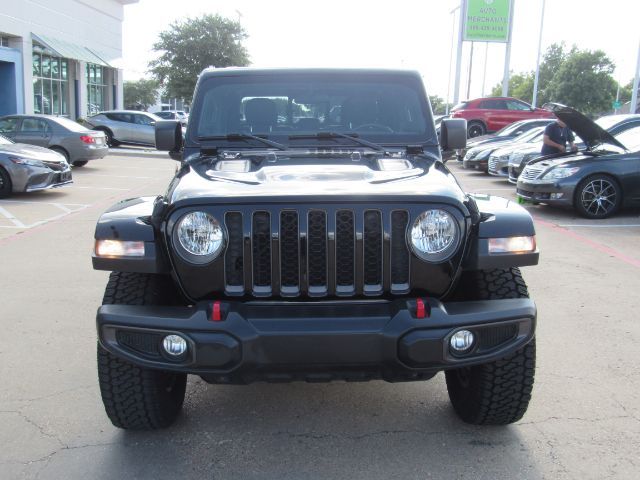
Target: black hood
{"points": [[589, 131]]}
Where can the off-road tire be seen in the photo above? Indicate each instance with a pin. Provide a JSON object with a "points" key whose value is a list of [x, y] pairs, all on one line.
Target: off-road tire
{"points": [[496, 393], [139, 398]]}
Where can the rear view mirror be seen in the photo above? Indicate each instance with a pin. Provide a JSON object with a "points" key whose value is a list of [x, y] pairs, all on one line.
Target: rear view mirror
{"points": [[169, 136], [453, 133]]}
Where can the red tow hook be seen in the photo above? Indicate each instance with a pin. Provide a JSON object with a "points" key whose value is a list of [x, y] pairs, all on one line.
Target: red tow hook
{"points": [[216, 311], [423, 310]]}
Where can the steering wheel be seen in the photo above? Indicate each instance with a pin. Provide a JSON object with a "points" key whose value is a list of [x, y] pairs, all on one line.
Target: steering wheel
{"points": [[372, 127]]}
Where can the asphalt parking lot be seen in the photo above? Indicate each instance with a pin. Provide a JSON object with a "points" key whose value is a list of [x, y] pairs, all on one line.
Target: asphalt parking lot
{"points": [[583, 422]]}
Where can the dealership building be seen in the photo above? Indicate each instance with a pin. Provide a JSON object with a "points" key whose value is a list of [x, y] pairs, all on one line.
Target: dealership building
{"points": [[61, 57]]}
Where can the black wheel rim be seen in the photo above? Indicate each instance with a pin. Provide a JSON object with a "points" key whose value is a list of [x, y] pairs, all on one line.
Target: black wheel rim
{"points": [[475, 131], [599, 197]]}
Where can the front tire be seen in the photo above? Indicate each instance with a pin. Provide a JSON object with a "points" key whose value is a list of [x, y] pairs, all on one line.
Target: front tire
{"points": [[80, 163], [5, 183], [496, 393], [134, 397], [475, 129], [598, 196]]}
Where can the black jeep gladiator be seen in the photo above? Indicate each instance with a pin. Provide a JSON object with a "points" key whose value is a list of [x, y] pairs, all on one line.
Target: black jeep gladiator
{"points": [[312, 232]]}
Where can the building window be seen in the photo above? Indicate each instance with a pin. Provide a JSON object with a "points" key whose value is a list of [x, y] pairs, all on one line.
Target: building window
{"points": [[50, 83], [96, 89], [4, 41]]}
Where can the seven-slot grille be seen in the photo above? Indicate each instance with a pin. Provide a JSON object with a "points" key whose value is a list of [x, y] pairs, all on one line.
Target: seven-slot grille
{"points": [[493, 163], [531, 172], [306, 251]]}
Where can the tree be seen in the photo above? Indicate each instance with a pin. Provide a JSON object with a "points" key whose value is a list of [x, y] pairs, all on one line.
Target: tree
{"points": [[140, 94], [438, 104], [585, 82], [520, 86], [190, 46]]}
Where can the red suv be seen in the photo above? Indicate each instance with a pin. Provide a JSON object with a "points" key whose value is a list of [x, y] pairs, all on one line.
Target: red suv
{"points": [[485, 115]]}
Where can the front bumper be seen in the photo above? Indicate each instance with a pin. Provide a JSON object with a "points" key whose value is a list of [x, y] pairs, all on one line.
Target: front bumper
{"points": [[478, 164], [498, 167], [284, 341], [43, 178], [552, 193]]}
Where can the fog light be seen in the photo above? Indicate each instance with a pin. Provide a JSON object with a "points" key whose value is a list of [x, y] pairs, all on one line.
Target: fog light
{"points": [[174, 345], [461, 341], [556, 196]]}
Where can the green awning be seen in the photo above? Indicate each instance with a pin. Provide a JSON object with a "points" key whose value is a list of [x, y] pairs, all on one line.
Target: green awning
{"points": [[66, 49]]}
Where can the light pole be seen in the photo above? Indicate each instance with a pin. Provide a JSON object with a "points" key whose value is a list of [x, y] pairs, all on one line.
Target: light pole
{"points": [[634, 94], [456, 88], [453, 31], [535, 81]]}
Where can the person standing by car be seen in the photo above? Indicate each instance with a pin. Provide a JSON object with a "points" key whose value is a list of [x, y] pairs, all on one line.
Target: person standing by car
{"points": [[556, 136]]}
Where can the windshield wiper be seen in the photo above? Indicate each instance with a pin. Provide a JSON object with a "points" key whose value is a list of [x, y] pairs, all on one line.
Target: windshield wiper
{"points": [[245, 136], [322, 135]]}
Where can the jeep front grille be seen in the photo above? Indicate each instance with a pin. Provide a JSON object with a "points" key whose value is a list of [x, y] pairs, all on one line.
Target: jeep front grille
{"points": [[293, 252]]}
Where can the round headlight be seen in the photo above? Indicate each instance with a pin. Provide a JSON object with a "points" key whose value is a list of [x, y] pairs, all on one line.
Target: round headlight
{"points": [[434, 235], [200, 236]]}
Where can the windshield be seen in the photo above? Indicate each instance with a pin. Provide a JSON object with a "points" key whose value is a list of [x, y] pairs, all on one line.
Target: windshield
{"points": [[381, 109], [5, 141], [608, 121], [630, 138], [509, 129], [531, 136]]}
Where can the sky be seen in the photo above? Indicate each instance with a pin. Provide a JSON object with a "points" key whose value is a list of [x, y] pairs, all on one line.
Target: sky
{"points": [[400, 34]]}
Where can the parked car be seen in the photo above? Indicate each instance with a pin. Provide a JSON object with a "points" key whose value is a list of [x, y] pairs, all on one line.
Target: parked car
{"points": [[126, 127], [509, 132], [28, 168], [498, 164], [478, 157], [490, 114], [596, 182], [76, 143], [178, 115], [614, 124], [348, 252]]}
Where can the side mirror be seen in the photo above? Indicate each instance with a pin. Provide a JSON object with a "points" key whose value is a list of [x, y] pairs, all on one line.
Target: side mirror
{"points": [[169, 136], [453, 133], [153, 122]]}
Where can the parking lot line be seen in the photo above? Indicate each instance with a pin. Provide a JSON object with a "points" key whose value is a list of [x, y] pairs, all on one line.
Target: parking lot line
{"points": [[567, 225], [103, 188], [16, 223], [114, 176], [593, 244]]}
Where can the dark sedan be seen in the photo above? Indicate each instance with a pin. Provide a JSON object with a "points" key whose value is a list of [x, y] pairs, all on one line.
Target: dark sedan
{"points": [[77, 144], [27, 168], [614, 124], [596, 182]]}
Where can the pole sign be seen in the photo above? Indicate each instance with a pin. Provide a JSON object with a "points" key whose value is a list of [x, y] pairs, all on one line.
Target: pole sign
{"points": [[487, 21]]}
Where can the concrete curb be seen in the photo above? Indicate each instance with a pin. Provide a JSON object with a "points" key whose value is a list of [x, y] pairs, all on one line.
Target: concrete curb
{"points": [[138, 152]]}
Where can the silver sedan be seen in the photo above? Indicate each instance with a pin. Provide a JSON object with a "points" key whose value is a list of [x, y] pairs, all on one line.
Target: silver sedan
{"points": [[75, 142], [27, 168], [126, 127]]}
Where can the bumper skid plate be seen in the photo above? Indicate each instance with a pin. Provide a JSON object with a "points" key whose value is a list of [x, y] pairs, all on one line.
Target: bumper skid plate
{"points": [[297, 340]]}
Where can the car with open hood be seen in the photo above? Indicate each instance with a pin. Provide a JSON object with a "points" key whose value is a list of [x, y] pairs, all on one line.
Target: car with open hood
{"points": [[596, 182], [29, 168], [614, 124], [312, 232]]}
